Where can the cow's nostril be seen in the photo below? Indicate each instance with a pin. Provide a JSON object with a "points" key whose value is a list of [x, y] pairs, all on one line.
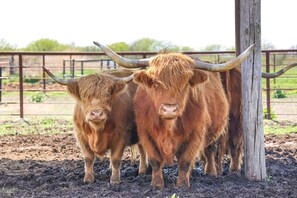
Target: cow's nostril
{"points": [[169, 108], [97, 114]]}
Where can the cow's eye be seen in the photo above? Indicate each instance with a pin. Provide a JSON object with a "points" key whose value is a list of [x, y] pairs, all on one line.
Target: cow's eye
{"points": [[156, 85]]}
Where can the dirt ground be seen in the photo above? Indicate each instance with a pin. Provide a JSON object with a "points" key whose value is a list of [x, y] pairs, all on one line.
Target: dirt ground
{"points": [[52, 166]]}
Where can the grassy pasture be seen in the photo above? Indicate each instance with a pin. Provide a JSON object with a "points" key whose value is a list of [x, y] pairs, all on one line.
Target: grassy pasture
{"points": [[63, 124]]}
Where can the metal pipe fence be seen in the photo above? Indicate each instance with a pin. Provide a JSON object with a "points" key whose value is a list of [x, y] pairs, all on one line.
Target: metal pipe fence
{"points": [[23, 76]]}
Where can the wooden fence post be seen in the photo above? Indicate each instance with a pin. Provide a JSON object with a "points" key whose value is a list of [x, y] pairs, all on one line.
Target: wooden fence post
{"points": [[248, 31], [0, 83], [11, 65], [21, 86]]}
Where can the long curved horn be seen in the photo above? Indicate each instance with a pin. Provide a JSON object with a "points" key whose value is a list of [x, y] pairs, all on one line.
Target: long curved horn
{"points": [[125, 79], [280, 72], [124, 62], [58, 80], [225, 66]]}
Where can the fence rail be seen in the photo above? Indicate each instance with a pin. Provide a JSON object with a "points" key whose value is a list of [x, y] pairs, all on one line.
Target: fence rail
{"points": [[19, 68]]}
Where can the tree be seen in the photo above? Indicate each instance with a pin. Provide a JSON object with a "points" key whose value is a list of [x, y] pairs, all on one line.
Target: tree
{"points": [[46, 44], [186, 48], [148, 44], [5, 46], [90, 48], [145, 44], [119, 46], [267, 46], [214, 47]]}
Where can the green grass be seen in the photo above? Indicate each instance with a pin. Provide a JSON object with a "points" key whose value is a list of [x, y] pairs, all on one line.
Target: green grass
{"points": [[36, 125], [77, 72], [32, 93], [285, 81], [9, 191], [54, 125], [279, 127], [57, 93], [288, 83], [173, 196], [293, 92], [31, 80]]}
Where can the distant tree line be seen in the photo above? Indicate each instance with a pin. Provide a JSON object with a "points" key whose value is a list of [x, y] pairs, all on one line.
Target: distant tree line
{"points": [[143, 44]]}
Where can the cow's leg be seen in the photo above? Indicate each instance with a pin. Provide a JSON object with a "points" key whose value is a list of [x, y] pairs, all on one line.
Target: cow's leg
{"points": [[143, 160], [89, 159], [116, 159], [154, 159], [184, 169], [235, 143], [221, 151], [202, 159], [235, 153], [88, 154], [157, 176], [210, 167], [186, 155]]}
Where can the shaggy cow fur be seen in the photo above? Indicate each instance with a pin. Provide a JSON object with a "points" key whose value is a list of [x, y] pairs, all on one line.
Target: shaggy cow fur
{"points": [[234, 138], [104, 120], [180, 111]]}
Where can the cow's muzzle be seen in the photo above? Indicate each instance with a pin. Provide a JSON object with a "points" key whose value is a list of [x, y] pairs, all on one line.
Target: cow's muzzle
{"points": [[169, 111], [97, 116]]}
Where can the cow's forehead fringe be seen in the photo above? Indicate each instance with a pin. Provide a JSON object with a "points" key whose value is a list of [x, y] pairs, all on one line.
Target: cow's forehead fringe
{"points": [[172, 69], [95, 85]]}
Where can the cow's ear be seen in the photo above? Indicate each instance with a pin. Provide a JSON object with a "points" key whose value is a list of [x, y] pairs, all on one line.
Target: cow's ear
{"points": [[73, 89], [119, 87], [140, 77], [198, 77]]}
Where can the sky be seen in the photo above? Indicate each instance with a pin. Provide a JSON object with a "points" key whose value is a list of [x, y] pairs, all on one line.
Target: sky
{"points": [[193, 23]]}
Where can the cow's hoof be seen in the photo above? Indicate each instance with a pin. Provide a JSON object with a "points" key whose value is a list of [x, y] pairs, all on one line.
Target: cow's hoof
{"points": [[142, 170], [234, 168], [158, 185], [182, 183], [115, 180], [89, 178], [211, 172]]}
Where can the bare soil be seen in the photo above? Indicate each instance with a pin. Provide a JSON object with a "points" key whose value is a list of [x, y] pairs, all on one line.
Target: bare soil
{"points": [[52, 166]]}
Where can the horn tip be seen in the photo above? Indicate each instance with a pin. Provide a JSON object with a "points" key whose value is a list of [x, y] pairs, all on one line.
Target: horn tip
{"points": [[96, 43], [45, 69]]}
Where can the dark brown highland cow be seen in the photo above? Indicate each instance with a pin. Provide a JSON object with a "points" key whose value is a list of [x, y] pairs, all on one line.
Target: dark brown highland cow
{"points": [[234, 137]]}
